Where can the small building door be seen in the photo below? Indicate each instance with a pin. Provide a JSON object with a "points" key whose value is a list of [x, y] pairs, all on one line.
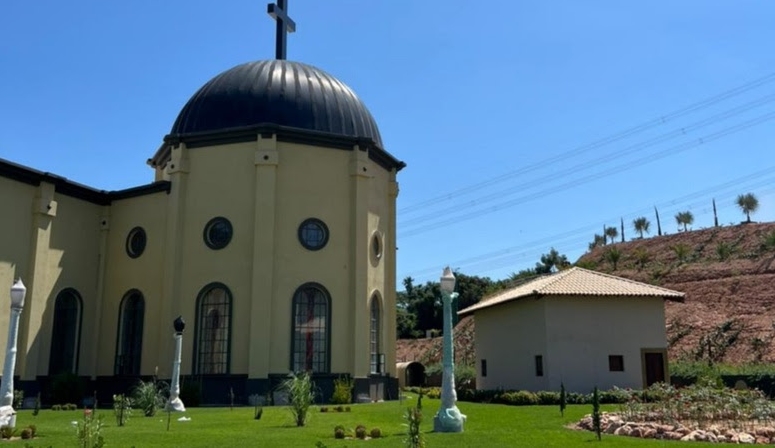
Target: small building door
{"points": [[654, 367]]}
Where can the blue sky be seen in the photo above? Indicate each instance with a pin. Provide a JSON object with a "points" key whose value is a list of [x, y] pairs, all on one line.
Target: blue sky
{"points": [[524, 125]]}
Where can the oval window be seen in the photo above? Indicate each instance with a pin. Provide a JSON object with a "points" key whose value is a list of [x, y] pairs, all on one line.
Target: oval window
{"points": [[218, 233]]}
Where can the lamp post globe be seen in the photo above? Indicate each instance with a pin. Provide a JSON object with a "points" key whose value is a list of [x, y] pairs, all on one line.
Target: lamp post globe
{"points": [[7, 413], [449, 418]]}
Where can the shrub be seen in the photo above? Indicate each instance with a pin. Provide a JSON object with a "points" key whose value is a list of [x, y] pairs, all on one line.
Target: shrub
{"points": [[6, 432], [614, 396], [18, 399], [343, 391], [89, 432], [339, 432], [519, 398], [375, 433], [339, 409], [414, 437], [360, 432], [347, 409], [150, 396], [548, 397], [26, 434], [259, 411], [300, 396], [33, 429], [563, 399], [323, 409], [56, 407], [36, 410], [122, 408], [596, 413]]}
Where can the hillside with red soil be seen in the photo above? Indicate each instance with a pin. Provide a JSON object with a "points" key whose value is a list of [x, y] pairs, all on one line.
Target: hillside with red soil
{"points": [[728, 276]]}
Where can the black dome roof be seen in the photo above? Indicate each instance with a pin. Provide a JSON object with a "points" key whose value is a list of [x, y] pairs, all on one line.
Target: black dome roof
{"points": [[279, 92]]}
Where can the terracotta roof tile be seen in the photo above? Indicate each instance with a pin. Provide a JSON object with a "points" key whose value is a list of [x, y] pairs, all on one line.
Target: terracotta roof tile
{"points": [[576, 282]]}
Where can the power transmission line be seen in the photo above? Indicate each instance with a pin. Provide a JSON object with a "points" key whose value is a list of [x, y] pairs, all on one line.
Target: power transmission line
{"points": [[598, 143]]}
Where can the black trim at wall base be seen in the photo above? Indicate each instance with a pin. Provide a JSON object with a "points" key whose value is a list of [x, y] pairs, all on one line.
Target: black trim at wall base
{"points": [[207, 390]]}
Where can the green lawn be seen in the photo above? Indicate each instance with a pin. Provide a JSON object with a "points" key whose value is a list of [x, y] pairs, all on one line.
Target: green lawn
{"points": [[488, 425]]}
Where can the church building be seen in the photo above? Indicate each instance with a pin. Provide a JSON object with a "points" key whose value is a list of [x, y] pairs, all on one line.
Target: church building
{"points": [[269, 226]]}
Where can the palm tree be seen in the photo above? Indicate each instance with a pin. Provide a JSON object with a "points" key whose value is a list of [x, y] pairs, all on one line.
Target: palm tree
{"points": [[684, 218], [748, 204], [599, 240], [641, 225], [612, 233]]}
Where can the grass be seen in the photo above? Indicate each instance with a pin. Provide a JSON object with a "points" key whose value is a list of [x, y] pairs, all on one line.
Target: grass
{"points": [[487, 425]]}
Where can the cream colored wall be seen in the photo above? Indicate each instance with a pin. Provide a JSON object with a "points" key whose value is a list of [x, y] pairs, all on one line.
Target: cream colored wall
{"points": [[583, 332], [144, 273], [509, 337], [15, 240]]}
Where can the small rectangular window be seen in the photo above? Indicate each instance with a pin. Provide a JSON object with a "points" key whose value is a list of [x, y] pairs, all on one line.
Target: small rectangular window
{"points": [[539, 365], [616, 363], [484, 367]]}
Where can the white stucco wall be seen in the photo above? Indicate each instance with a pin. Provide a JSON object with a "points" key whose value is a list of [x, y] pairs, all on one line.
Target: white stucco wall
{"points": [[575, 336], [509, 337], [582, 332]]}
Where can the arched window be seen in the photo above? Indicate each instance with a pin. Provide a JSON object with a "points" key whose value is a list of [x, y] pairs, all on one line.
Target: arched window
{"points": [[213, 330], [65, 333], [130, 334], [310, 349], [375, 329]]}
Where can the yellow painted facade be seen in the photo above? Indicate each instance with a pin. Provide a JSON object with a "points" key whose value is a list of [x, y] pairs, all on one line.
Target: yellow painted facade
{"points": [[266, 188]]}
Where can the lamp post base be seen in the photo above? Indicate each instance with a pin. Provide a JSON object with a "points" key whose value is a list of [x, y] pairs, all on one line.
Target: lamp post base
{"points": [[176, 405], [448, 420]]}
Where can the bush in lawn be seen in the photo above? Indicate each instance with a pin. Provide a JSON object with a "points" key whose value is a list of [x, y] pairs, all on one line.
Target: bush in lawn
{"points": [[89, 432], [6, 432], [26, 434], [360, 432], [519, 398], [122, 408], [563, 399], [33, 429], [596, 412], [547, 397], [343, 391], [36, 410], [301, 395], [414, 437], [375, 433], [150, 396], [18, 399], [339, 432]]}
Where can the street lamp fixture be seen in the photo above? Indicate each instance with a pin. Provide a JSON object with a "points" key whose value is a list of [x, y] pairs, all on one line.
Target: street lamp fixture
{"points": [[449, 418], [7, 413], [175, 403]]}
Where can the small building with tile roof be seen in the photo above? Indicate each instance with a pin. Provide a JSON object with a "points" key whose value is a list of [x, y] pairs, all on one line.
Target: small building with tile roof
{"points": [[577, 327]]}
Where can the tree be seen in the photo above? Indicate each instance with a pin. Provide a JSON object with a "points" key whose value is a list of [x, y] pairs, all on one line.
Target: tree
{"points": [[599, 240], [613, 255], [612, 233], [748, 204], [551, 262], [684, 218], [641, 225]]}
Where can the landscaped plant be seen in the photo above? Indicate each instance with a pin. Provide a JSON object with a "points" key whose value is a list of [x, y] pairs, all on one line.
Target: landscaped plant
{"points": [[641, 225], [36, 410], [681, 251], [685, 219], [723, 250], [596, 413], [18, 399], [748, 204], [343, 391], [150, 396], [563, 399], [301, 395], [89, 432], [26, 434], [612, 256], [414, 437], [360, 432], [6, 432], [122, 408], [339, 432], [375, 433]]}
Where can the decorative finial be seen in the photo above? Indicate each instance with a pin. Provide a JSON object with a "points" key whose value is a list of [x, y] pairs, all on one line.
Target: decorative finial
{"points": [[279, 12]]}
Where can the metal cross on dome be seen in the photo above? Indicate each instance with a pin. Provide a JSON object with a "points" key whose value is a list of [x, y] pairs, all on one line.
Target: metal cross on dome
{"points": [[279, 12]]}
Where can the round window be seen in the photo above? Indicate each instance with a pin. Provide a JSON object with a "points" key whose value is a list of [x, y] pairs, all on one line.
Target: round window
{"points": [[313, 234], [218, 232], [376, 247], [135, 242]]}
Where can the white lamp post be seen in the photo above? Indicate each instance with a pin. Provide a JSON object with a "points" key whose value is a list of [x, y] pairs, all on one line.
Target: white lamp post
{"points": [[18, 291], [449, 418], [175, 403]]}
